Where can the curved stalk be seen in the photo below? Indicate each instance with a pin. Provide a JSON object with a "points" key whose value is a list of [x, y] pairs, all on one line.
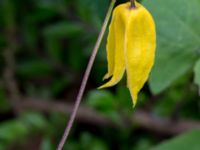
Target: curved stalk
{"points": [[85, 77]]}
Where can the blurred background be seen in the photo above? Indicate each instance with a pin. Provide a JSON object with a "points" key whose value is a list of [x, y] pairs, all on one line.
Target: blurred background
{"points": [[44, 49]]}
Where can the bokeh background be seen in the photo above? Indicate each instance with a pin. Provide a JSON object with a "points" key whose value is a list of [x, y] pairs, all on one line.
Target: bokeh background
{"points": [[44, 49]]}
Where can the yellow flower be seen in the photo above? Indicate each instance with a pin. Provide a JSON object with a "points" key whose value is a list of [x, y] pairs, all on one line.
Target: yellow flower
{"points": [[131, 45]]}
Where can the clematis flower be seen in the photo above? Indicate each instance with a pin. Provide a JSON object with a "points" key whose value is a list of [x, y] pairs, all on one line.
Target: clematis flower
{"points": [[131, 45]]}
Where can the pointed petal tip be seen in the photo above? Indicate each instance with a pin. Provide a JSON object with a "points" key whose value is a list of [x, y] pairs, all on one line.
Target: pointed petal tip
{"points": [[104, 86], [106, 76], [134, 104], [134, 99], [99, 88]]}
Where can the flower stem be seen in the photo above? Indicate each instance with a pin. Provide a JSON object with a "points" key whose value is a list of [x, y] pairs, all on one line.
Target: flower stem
{"points": [[85, 77], [132, 4]]}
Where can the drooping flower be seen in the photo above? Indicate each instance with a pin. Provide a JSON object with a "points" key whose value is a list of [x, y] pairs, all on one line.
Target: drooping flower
{"points": [[131, 45]]}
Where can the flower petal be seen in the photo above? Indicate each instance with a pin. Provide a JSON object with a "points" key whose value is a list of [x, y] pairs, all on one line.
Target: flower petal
{"points": [[110, 48], [140, 49], [119, 62]]}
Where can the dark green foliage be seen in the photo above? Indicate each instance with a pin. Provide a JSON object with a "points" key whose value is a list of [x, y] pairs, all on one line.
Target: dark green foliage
{"points": [[51, 41], [178, 37], [184, 142]]}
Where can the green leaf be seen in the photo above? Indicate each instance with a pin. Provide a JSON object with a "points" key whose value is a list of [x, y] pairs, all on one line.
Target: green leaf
{"points": [[101, 99], [46, 144], [55, 33], [63, 29], [34, 120], [59, 85], [12, 131], [92, 12], [142, 144], [123, 97], [84, 142], [8, 9], [178, 38], [197, 73], [33, 68], [58, 5], [4, 103], [88, 141], [2, 145], [187, 141]]}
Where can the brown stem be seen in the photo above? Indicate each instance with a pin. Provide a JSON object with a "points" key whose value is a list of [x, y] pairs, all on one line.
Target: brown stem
{"points": [[9, 70], [139, 119], [85, 78], [132, 4]]}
